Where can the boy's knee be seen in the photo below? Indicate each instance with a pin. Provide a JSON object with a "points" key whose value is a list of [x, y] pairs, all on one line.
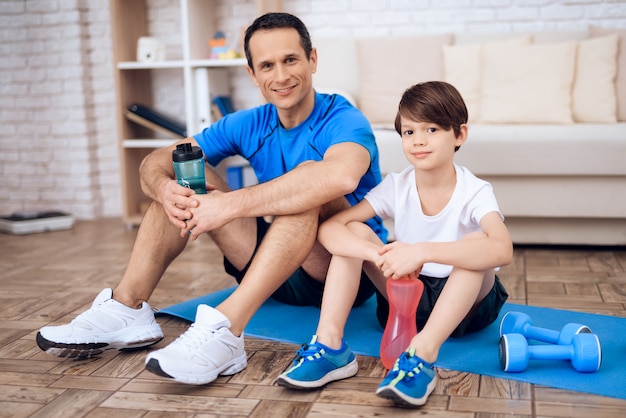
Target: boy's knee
{"points": [[361, 229]]}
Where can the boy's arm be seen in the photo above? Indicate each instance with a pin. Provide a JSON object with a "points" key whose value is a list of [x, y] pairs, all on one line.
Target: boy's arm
{"points": [[345, 233], [492, 248]]}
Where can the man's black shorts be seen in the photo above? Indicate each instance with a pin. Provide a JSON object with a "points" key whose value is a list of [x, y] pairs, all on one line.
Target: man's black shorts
{"points": [[300, 289], [483, 315]]}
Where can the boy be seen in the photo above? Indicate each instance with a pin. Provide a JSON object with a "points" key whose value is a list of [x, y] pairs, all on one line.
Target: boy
{"points": [[449, 233]]}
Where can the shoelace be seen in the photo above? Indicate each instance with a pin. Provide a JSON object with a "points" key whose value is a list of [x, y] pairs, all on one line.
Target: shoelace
{"points": [[195, 336], [406, 367], [308, 352], [92, 309]]}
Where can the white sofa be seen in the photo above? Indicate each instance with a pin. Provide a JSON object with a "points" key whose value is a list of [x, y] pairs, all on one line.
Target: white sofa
{"points": [[547, 119]]}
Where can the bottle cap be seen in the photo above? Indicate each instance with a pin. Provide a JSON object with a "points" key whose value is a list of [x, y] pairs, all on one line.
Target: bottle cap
{"points": [[186, 152]]}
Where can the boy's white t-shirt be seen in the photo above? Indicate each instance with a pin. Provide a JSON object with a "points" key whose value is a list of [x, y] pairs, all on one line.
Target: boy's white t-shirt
{"points": [[397, 197]]}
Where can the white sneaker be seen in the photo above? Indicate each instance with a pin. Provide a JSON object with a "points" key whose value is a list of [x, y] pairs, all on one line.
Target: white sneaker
{"points": [[108, 324], [206, 350]]}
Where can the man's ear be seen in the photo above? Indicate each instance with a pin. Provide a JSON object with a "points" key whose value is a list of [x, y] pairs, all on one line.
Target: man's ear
{"points": [[252, 76], [313, 60]]}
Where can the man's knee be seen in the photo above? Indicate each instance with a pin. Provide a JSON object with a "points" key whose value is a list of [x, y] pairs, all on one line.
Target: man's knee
{"points": [[215, 179], [333, 207]]}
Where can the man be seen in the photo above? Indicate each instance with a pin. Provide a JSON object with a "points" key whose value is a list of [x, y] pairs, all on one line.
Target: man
{"points": [[313, 154]]}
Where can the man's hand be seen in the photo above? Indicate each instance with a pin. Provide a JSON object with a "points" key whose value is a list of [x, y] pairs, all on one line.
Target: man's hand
{"points": [[177, 202], [210, 211]]}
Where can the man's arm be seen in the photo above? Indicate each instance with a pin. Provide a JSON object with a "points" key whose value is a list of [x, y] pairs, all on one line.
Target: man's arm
{"points": [[307, 186], [158, 183]]}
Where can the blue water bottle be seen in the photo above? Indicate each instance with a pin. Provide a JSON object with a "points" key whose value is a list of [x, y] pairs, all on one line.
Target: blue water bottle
{"points": [[188, 163]]}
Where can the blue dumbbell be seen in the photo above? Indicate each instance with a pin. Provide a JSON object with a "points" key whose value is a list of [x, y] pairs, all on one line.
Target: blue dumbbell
{"points": [[584, 352], [520, 323]]}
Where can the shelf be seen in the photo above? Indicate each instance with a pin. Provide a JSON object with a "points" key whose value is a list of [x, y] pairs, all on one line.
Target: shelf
{"points": [[201, 78], [136, 65], [207, 63], [236, 62], [147, 143]]}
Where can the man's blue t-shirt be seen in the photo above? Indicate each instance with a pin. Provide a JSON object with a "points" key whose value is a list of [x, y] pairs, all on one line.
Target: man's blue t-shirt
{"points": [[256, 135]]}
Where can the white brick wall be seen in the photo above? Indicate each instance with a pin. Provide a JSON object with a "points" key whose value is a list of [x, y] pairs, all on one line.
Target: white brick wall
{"points": [[57, 135]]}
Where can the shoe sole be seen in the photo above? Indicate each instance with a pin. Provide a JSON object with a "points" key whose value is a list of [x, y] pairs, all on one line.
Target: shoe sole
{"points": [[344, 372], [401, 399], [235, 366], [88, 350]]}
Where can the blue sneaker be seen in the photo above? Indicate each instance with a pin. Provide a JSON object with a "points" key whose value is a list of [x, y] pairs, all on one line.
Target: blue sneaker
{"points": [[409, 382], [315, 365]]}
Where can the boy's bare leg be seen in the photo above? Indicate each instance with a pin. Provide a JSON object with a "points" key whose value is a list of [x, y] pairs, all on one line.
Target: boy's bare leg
{"points": [[341, 289], [463, 290]]}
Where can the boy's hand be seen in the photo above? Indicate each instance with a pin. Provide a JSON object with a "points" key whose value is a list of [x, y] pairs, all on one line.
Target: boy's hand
{"points": [[399, 259]]}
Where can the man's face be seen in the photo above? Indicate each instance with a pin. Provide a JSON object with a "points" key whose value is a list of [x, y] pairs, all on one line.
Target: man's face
{"points": [[281, 70]]}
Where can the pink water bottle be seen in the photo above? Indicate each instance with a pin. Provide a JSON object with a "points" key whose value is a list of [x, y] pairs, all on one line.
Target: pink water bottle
{"points": [[403, 295]]}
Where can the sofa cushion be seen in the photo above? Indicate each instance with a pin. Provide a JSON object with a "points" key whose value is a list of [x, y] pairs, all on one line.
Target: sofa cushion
{"points": [[388, 66], [337, 67], [580, 149], [621, 66], [463, 69], [593, 95], [540, 37], [528, 150], [528, 83]]}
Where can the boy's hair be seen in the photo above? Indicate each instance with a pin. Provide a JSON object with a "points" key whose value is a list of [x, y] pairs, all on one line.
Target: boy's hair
{"points": [[275, 21], [433, 101]]}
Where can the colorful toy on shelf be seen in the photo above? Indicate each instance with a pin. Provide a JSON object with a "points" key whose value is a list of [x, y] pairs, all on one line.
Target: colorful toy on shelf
{"points": [[219, 48]]}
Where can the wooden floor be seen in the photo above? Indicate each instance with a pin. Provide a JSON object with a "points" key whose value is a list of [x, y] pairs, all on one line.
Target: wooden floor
{"points": [[49, 278]]}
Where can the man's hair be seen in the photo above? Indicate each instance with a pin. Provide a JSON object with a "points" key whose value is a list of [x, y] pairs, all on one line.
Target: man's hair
{"points": [[433, 101], [277, 21]]}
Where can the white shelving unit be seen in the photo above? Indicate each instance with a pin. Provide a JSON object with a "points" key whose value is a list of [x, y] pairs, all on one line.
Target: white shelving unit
{"points": [[203, 78]]}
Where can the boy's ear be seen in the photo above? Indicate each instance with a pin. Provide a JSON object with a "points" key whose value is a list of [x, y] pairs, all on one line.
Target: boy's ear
{"points": [[463, 133]]}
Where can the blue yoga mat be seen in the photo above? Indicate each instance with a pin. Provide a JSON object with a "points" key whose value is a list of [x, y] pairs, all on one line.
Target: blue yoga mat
{"points": [[474, 353]]}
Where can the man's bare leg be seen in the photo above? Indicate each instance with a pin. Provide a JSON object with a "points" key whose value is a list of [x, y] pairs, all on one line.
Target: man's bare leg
{"points": [[289, 243], [286, 245], [157, 244]]}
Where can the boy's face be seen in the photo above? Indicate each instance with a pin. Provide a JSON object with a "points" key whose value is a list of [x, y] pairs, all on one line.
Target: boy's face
{"points": [[427, 145], [281, 70]]}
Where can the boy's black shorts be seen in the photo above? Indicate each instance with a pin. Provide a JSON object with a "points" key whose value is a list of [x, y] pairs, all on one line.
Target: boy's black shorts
{"points": [[300, 289], [479, 318]]}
